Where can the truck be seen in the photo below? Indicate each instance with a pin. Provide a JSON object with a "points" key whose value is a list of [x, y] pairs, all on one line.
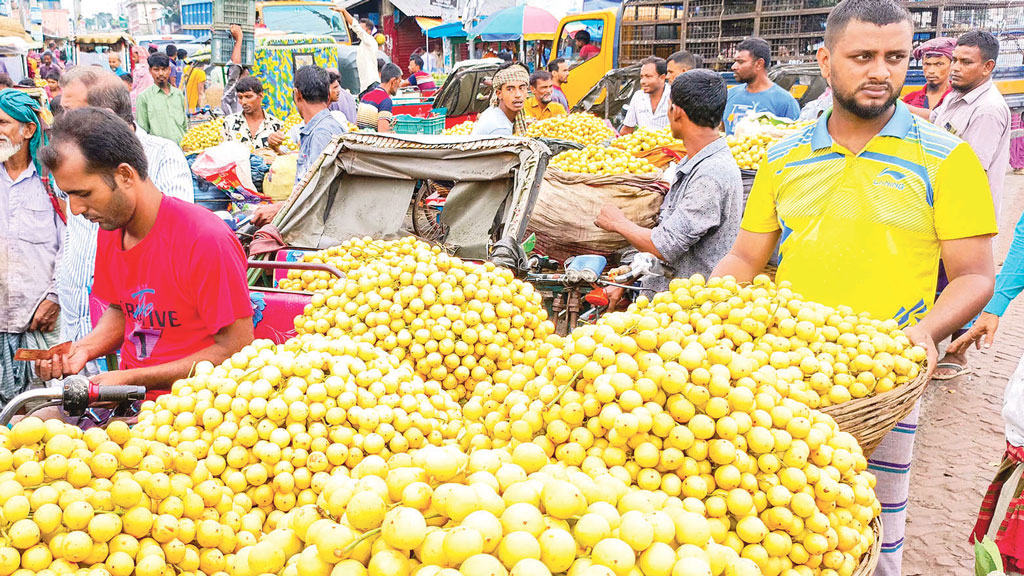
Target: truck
{"points": [[711, 29], [312, 17]]}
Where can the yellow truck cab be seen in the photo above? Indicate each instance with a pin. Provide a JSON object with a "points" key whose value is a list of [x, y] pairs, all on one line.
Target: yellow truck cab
{"points": [[584, 74], [310, 17]]}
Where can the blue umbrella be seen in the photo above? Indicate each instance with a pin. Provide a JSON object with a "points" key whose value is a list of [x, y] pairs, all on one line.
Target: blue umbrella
{"points": [[451, 30]]}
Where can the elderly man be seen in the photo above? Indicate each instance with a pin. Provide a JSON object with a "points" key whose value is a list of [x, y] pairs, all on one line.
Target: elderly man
{"points": [[541, 105], [115, 63], [32, 228], [505, 117], [935, 56], [91, 86]]}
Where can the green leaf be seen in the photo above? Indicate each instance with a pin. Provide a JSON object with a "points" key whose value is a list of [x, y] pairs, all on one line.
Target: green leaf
{"points": [[987, 558]]}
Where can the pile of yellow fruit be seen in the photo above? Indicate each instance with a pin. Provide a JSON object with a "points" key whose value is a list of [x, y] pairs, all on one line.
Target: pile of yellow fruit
{"points": [[203, 136], [581, 128], [463, 129], [750, 151], [645, 139], [454, 322], [290, 145], [427, 422], [602, 161]]}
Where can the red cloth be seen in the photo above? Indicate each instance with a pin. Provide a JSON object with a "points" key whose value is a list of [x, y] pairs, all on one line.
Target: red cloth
{"points": [[919, 98], [1010, 536], [183, 283], [589, 51]]}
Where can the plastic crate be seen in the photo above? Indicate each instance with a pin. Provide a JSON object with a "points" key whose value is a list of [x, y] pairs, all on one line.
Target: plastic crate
{"points": [[222, 44], [405, 124], [241, 12]]}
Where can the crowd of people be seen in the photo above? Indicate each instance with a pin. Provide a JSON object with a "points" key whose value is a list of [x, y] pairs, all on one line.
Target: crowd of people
{"points": [[875, 191]]}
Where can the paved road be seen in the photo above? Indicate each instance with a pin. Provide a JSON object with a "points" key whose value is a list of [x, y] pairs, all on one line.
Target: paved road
{"points": [[960, 440]]}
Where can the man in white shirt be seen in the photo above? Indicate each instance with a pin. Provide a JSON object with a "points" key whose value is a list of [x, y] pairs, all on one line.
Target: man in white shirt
{"points": [[505, 117], [366, 51], [90, 86], [648, 108]]}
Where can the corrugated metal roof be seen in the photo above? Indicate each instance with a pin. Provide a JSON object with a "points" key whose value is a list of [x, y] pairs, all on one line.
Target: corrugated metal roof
{"points": [[417, 8]]}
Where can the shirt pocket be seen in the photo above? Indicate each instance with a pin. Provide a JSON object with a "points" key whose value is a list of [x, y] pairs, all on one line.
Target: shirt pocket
{"points": [[35, 225]]}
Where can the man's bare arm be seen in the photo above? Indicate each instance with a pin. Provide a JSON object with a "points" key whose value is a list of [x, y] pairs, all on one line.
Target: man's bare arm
{"points": [[229, 340], [749, 255]]}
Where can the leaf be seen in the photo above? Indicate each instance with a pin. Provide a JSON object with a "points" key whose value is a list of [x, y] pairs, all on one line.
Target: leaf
{"points": [[987, 558]]}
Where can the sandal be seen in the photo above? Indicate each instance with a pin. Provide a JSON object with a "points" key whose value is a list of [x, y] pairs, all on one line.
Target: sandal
{"points": [[958, 371]]}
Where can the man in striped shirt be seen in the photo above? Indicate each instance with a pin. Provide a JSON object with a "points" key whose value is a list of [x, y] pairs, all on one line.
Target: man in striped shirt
{"points": [[648, 108], [90, 86]]}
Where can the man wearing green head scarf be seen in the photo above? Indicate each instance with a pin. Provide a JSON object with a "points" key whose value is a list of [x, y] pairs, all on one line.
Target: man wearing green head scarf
{"points": [[30, 240]]}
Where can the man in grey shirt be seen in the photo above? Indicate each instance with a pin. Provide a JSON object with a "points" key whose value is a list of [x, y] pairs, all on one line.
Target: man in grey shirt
{"points": [[700, 216]]}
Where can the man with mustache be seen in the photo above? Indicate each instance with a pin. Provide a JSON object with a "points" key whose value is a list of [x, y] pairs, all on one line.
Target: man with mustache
{"points": [[864, 202], [935, 56], [976, 112], [30, 239], [169, 308]]}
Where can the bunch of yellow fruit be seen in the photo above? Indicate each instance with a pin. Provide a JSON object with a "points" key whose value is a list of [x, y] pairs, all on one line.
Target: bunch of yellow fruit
{"points": [[347, 256], [750, 152], [106, 503], [463, 129], [645, 139], [581, 128], [293, 120], [700, 394], [454, 322], [203, 136], [602, 161], [427, 422], [442, 512]]}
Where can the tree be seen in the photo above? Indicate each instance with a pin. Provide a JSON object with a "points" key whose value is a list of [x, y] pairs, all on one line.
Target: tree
{"points": [[172, 11]]}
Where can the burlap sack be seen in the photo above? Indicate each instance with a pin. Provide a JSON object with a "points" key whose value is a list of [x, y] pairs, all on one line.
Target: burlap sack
{"points": [[563, 217]]}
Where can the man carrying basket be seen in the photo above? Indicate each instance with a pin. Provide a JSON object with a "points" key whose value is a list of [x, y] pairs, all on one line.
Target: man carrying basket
{"points": [[864, 202]]}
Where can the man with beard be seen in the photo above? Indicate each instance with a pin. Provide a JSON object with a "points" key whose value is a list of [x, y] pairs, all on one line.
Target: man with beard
{"points": [[172, 272], [505, 117], [648, 108], [540, 106], [30, 237], [864, 202], [160, 109], [756, 93], [559, 69], [976, 112], [86, 86], [935, 56]]}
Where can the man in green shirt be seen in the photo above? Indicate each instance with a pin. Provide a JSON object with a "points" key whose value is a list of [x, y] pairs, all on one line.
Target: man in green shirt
{"points": [[160, 109]]}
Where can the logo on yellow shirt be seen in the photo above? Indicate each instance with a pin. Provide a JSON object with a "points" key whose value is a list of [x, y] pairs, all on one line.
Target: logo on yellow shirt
{"points": [[890, 178]]}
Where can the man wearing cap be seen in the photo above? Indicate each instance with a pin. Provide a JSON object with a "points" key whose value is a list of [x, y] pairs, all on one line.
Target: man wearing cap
{"points": [[506, 117], [935, 56], [31, 230]]}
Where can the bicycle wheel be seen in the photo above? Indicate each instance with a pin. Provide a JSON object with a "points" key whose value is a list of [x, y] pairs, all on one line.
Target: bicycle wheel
{"points": [[426, 212]]}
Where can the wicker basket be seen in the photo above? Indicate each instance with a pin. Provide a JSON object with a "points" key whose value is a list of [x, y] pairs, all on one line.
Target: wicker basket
{"points": [[870, 418], [870, 560]]}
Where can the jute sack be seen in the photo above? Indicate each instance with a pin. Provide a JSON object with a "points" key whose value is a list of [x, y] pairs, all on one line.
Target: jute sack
{"points": [[563, 217]]}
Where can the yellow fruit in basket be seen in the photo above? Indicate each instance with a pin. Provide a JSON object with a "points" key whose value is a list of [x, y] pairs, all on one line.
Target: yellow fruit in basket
{"points": [[578, 127], [645, 139], [601, 161], [462, 129], [203, 136]]}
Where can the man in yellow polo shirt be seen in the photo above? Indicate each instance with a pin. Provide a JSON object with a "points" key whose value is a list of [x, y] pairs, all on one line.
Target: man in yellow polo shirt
{"points": [[863, 203], [540, 106]]}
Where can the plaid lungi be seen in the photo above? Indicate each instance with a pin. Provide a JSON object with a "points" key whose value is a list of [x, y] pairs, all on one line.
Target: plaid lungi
{"points": [[1002, 511]]}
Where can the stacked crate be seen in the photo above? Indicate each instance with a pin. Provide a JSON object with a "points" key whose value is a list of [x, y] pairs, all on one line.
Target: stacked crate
{"points": [[226, 13]]}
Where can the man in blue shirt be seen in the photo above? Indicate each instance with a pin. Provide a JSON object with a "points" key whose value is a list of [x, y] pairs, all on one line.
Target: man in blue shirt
{"points": [[312, 92], [756, 93]]}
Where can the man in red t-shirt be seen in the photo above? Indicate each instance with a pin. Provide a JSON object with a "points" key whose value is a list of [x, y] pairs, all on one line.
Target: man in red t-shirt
{"points": [[587, 50], [173, 273]]}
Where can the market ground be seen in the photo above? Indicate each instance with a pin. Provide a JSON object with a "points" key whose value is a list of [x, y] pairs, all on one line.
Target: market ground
{"points": [[960, 439]]}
